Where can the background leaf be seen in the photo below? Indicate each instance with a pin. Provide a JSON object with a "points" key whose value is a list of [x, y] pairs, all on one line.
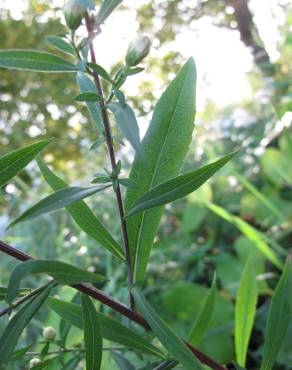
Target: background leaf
{"points": [[37, 61], [164, 148], [107, 7]]}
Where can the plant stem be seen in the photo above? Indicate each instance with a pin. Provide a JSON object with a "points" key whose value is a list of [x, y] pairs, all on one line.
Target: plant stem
{"points": [[114, 304], [109, 141]]}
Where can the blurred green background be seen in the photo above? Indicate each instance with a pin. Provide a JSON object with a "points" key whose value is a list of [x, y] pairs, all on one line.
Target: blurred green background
{"points": [[244, 92]]}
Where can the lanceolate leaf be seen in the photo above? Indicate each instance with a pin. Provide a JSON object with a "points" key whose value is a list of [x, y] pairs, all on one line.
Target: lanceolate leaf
{"points": [[88, 97], [126, 120], [87, 85], [175, 346], [92, 334], [13, 330], [107, 7], [164, 148], [57, 200], [205, 315], [101, 71], [122, 362], [61, 271], [112, 329], [245, 309], [178, 187], [13, 162], [61, 44], [83, 215], [31, 60], [279, 317]]}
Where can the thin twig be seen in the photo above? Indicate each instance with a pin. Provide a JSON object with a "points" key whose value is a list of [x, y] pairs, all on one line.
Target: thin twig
{"points": [[109, 141], [114, 304]]}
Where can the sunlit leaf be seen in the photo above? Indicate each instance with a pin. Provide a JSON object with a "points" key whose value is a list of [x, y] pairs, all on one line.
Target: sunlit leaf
{"points": [[107, 7], [61, 44], [101, 72], [88, 97]]}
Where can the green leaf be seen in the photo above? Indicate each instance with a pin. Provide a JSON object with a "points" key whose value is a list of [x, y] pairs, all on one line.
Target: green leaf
{"points": [[92, 334], [102, 179], [88, 97], [175, 346], [250, 232], [122, 362], [134, 71], [87, 85], [279, 317], [178, 187], [126, 120], [61, 44], [19, 321], [37, 61], [112, 329], [128, 183], [20, 352], [165, 146], [60, 271], [57, 200], [83, 215], [107, 7], [101, 72], [204, 317], [245, 309], [13, 162]]}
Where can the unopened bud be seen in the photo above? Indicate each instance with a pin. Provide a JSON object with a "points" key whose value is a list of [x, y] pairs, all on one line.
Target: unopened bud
{"points": [[34, 361], [74, 11], [137, 50], [49, 332]]}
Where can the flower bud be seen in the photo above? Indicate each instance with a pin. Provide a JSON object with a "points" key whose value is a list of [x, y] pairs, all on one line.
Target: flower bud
{"points": [[33, 362], [49, 332], [74, 11], [137, 50]]}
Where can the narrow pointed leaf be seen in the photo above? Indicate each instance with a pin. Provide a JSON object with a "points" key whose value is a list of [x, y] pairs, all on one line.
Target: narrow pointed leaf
{"points": [[112, 329], [279, 317], [19, 321], [57, 200], [61, 44], [107, 7], [245, 309], [37, 61], [128, 183], [13, 162], [122, 362], [126, 120], [175, 346], [82, 214], [202, 323], [178, 187], [101, 72], [92, 334], [63, 272], [88, 97], [87, 85], [164, 147]]}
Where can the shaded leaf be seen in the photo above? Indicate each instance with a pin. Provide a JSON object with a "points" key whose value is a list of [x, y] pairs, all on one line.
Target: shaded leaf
{"points": [[61, 44], [92, 334], [245, 309], [31, 60], [107, 7], [61, 271], [83, 215], [101, 72], [128, 183], [167, 337], [13, 162], [122, 362], [178, 187]]}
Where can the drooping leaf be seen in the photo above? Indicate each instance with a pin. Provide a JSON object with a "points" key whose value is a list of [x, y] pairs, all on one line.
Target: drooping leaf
{"points": [[32, 60], [279, 317], [87, 85], [204, 317], [175, 346], [126, 120], [101, 72], [112, 329], [88, 97], [250, 232], [92, 334], [19, 321], [83, 215], [178, 187], [164, 147], [107, 7], [122, 362], [57, 200], [61, 44], [61, 271], [245, 309], [13, 162]]}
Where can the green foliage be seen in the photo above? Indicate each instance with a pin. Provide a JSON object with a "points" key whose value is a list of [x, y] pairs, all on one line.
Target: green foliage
{"points": [[106, 9]]}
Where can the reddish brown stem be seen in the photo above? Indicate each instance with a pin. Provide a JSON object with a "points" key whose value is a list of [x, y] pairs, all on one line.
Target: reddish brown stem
{"points": [[114, 304]]}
